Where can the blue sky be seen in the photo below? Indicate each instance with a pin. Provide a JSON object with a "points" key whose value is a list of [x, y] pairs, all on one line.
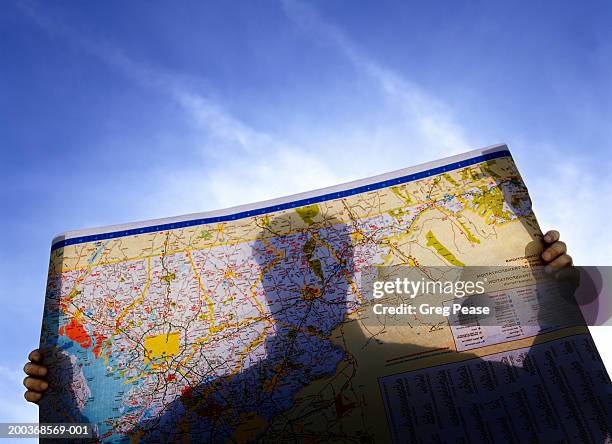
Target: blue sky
{"points": [[120, 111]]}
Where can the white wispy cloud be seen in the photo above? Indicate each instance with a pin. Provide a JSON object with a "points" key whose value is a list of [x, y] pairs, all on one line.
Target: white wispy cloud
{"points": [[415, 128], [433, 126], [247, 164]]}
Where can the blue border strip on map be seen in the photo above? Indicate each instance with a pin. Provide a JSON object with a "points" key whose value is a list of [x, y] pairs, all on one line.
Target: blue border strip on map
{"points": [[285, 206]]}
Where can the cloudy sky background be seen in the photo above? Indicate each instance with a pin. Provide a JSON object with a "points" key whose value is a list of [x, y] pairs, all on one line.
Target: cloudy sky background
{"points": [[113, 112]]}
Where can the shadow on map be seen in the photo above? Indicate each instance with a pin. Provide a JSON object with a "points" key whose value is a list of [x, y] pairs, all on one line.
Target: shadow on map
{"points": [[304, 282]]}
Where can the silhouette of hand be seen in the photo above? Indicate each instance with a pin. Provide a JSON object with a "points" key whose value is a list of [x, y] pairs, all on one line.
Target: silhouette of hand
{"points": [[555, 252], [35, 381]]}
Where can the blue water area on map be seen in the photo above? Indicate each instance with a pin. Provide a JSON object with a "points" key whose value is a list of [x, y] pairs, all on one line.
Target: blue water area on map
{"points": [[107, 385], [97, 252]]}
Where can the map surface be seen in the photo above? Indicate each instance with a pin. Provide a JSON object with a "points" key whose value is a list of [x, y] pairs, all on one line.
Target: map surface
{"points": [[248, 324]]}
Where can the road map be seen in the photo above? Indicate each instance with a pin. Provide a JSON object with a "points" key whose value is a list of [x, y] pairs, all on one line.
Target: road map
{"points": [[253, 324]]}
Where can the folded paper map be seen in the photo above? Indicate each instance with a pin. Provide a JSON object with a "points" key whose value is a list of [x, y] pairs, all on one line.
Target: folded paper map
{"points": [[257, 323]]}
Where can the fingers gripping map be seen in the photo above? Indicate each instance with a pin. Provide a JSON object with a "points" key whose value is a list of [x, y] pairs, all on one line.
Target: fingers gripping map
{"points": [[253, 323]]}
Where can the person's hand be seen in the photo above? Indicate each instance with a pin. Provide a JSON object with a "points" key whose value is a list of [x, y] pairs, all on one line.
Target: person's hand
{"points": [[559, 264], [35, 381], [555, 252]]}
